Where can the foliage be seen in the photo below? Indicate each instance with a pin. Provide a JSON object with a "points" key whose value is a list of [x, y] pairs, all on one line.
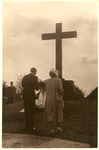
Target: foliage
{"points": [[18, 84], [4, 84], [93, 94], [4, 88], [80, 91]]}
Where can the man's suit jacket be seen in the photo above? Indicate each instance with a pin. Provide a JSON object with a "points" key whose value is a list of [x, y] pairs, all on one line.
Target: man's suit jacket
{"points": [[30, 83], [11, 92]]}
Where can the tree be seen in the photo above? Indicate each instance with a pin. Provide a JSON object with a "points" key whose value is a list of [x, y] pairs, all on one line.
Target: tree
{"points": [[80, 91], [93, 94], [18, 85], [4, 92], [4, 84], [4, 88]]}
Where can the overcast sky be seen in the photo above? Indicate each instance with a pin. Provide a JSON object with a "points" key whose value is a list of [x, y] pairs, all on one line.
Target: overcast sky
{"points": [[23, 24]]}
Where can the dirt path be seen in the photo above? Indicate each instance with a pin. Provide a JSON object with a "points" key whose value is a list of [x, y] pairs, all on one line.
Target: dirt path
{"points": [[34, 141]]}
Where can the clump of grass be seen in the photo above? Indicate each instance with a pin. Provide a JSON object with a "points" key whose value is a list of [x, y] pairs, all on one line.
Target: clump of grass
{"points": [[80, 121]]}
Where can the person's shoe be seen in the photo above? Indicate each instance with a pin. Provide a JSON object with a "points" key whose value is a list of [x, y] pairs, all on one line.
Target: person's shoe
{"points": [[52, 131], [34, 128], [59, 129]]}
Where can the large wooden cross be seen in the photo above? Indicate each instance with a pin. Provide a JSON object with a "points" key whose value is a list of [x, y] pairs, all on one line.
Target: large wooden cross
{"points": [[59, 35]]}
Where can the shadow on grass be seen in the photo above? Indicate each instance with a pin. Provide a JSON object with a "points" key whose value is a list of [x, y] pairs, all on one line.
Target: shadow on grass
{"points": [[80, 122]]}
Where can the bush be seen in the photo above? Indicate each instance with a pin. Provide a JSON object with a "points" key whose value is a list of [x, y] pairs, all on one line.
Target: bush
{"points": [[80, 91]]}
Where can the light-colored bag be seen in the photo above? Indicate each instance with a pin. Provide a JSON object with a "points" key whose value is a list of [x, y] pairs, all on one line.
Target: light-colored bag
{"points": [[40, 102]]}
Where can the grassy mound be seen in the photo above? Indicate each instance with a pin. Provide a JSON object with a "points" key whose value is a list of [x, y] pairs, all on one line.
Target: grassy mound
{"points": [[80, 121]]}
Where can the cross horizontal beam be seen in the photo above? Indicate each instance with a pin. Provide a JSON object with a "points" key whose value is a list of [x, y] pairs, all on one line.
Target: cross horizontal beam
{"points": [[63, 35], [71, 34], [49, 36]]}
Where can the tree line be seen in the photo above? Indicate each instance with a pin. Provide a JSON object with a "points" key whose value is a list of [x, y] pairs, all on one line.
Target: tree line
{"points": [[18, 86]]}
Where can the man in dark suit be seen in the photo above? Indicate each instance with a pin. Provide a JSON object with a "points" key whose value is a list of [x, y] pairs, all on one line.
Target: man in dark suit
{"points": [[30, 84], [11, 93]]}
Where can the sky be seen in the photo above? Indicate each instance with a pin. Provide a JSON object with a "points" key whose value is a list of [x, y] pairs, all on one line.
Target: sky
{"points": [[24, 22]]}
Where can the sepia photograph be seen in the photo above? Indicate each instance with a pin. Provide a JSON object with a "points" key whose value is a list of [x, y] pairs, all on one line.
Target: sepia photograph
{"points": [[49, 74]]}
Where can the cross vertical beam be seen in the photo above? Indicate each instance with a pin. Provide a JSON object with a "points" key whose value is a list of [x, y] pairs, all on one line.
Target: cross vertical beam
{"points": [[59, 48]]}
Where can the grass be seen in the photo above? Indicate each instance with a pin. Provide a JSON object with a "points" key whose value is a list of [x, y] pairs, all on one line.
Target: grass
{"points": [[80, 121]]}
